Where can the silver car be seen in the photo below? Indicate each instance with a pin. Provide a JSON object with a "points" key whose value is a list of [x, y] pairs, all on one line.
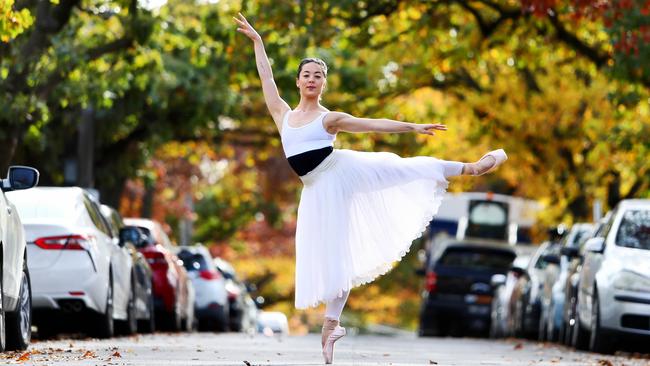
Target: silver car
{"points": [[211, 300], [614, 292]]}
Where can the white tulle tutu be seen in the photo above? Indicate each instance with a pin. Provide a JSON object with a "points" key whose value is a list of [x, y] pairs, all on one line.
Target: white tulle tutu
{"points": [[359, 212]]}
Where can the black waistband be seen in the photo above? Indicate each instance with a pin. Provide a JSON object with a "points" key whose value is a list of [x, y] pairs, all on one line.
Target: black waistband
{"points": [[304, 163]]}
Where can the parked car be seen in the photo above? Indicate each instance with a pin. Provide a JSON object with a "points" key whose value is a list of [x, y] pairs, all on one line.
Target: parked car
{"points": [[141, 309], [242, 308], [272, 322], [173, 295], [501, 324], [555, 280], [15, 285], [78, 272], [614, 289], [526, 294], [550, 275], [458, 295], [576, 257], [211, 301]]}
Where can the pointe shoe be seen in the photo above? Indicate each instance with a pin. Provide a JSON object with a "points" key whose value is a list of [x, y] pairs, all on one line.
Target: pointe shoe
{"points": [[499, 157], [328, 349]]}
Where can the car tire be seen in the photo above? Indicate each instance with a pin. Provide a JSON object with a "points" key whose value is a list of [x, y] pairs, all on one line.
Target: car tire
{"points": [[130, 325], [18, 325], [541, 328], [173, 318], [580, 336], [148, 325], [105, 326], [598, 340], [3, 328]]}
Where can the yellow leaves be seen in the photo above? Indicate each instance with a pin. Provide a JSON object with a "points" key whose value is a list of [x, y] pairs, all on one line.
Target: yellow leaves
{"points": [[13, 23]]}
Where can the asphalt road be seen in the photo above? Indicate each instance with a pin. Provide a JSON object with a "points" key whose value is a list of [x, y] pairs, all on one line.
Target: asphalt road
{"points": [[239, 349]]}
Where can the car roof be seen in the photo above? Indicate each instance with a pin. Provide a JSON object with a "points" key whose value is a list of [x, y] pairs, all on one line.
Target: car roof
{"points": [[634, 203], [38, 193]]}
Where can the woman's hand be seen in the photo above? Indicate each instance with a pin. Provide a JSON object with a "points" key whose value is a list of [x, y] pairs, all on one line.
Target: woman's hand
{"points": [[243, 26], [429, 128]]}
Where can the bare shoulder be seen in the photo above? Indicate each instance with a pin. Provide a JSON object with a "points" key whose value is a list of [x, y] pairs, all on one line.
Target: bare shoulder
{"points": [[333, 121], [334, 117], [279, 114]]}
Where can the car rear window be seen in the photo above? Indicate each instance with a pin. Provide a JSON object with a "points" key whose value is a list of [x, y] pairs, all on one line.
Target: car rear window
{"points": [[480, 259], [634, 231], [193, 262]]}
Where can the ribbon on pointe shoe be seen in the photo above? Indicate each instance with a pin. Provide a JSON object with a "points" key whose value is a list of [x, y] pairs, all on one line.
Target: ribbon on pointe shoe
{"points": [[328, 327]]}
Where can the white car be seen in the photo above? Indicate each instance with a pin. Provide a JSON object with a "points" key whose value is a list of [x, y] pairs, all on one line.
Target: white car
{"points": [[614, 292], [272, 322], [211, 299], [15, 287], [79, 274]]}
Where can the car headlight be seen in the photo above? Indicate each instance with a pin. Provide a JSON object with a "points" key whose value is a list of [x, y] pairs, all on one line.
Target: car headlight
{"points": [[631, 281]]}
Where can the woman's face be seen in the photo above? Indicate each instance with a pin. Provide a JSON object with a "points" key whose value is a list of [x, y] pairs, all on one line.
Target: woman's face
{"points": [[311, 80]]}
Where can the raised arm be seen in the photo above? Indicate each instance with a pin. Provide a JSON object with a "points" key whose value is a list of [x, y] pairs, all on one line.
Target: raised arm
{"points": [[276, 105], [338, 121]]}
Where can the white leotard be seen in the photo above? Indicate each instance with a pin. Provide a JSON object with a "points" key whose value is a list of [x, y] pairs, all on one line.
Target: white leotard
{"points": [[312, 136]]}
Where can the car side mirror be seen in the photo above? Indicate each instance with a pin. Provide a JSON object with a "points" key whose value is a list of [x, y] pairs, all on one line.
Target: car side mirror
{"points": [[571, 252], [596, 245], [498, 280], [20, 177], [551, 258], [133, 235]]}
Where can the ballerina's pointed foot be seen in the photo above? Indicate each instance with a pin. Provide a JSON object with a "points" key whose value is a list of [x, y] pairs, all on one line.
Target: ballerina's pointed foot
{"points": [[487, 163], [328, 348]]}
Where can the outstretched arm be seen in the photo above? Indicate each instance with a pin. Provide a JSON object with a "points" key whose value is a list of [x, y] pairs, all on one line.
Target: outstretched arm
{"points": [[338, 121], [274, 103]]}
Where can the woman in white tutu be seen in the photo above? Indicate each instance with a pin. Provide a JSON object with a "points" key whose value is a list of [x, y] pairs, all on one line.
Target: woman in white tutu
{"points": [[359, 212]]}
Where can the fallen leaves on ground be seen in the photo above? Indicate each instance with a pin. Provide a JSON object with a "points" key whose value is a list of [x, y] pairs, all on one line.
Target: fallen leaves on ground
{"points": [[116, 354], [603, 362], [432, 362], [519, 346], [24, 357], [89, 354]]}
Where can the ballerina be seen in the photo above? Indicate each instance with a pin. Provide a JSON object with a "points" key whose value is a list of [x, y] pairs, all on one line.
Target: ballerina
{"points": [[359, 212]]}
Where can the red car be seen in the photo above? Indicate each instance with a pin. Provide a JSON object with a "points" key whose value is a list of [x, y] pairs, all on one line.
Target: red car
{"points": [[173, 295]]}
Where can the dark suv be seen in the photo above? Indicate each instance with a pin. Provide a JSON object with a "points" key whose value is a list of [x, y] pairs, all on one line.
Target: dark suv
{"points": [[458, 295]]}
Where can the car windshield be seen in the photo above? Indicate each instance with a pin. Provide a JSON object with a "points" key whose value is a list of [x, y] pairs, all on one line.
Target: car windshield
{"points": [[193, 262], [487, 219], [480, 259], [634, 231]]}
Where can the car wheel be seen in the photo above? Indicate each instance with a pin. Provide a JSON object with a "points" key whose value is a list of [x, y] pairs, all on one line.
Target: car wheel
{"points": [[3, 328], [148, 325], [173, 319], [19, 323], [130, 325], [541, 329], [580, 336], [105, 327], [551, 332], [598, 340]]}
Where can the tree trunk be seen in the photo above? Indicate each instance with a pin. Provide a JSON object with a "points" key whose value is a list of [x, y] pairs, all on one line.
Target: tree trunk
{"points": [[86, 149]]}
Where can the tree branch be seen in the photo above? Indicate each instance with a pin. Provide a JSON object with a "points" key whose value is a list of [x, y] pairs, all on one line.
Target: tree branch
{"points": [[593, 54]]}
